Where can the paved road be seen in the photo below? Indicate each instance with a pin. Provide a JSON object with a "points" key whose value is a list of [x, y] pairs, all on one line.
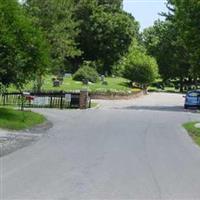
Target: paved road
{"points": [[133, 149]]}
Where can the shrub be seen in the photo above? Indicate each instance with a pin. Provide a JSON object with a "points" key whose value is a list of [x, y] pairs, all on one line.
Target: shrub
{"points": [[87, 73], [140, 68]]}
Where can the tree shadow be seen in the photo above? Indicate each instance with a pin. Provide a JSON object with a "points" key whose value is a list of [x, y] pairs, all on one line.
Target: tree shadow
{"points": [[125, 84], [162, 108]]}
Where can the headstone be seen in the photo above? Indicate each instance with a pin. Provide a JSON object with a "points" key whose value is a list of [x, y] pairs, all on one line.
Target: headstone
{"points": [[102, 78], [67, 75], [26, 93], [85, 81], [56, 83]]}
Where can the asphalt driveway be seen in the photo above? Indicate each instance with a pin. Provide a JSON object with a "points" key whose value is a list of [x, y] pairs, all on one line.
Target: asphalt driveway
{"points": [[130, 149]]}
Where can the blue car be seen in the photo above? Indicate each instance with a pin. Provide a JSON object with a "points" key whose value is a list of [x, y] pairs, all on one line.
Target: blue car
{"points": [[192, 99]]}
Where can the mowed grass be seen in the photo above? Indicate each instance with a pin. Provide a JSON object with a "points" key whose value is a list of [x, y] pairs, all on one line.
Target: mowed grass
{"points": [[166, 89], [19, 120], [113, 84], [193, 131]]}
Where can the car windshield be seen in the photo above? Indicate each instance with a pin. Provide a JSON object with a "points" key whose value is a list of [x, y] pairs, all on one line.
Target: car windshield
{"points": [[193, 94]]}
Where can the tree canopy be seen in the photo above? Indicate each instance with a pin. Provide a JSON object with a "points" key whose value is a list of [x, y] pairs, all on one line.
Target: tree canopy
{"points": [[23, 50], [79, 30], [175, 42], [138, 67], [105, 35], [62, 35], [185, 15], [162, 42], [55, 18]]}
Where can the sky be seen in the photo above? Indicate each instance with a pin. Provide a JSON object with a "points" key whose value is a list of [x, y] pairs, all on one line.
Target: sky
{"points": [[145, 11]]}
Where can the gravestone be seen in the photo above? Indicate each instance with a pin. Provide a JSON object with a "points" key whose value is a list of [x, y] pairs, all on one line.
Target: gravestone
{"points": [[102, 78], [56, 83], [67, 75], [85, 81]]}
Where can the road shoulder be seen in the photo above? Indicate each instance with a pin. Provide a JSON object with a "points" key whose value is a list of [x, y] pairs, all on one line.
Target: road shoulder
{"points": [[11, 141]]}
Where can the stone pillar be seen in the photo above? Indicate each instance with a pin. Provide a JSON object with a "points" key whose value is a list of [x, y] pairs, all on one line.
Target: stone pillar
{"points": [[83, 98]]}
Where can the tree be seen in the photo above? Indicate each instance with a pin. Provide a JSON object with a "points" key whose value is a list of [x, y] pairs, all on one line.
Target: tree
{"points": [[55, 18], [23, 50], [105, 36], [185, 15], [139, 67], [162, 42], [111, 4]]}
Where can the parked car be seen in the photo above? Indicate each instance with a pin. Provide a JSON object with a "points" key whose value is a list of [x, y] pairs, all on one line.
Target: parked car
{"points": [[192, 99]]}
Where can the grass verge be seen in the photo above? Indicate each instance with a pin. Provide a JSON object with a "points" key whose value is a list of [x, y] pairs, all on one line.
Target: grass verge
{"points": [[193, 131], [19, 120], [94, 105], [167, 89]]}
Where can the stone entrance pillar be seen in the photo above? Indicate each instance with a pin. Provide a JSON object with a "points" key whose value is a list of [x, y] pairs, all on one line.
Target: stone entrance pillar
{"points": [[83, 99]]}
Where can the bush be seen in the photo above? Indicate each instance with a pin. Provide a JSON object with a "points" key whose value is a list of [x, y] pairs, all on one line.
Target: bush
{"points": [[140, 68], [86, 73]]}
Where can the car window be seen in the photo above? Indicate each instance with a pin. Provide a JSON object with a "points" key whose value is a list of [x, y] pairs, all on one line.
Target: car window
{"points": [[193, 94]]}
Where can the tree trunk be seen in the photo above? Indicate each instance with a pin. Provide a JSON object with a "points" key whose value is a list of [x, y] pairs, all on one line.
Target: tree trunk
{"points": [[181, 84], [22, 100], [196, 83], [145, 90], [39, 83]]}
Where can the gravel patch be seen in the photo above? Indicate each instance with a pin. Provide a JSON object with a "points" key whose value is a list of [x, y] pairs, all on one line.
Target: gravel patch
{"points": [[11, 141]]}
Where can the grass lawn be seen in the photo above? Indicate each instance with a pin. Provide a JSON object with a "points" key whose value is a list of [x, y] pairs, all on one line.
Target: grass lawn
{"points": [[193, 131], [94, 105], [18, 120], [166, 89], [113, 85]]}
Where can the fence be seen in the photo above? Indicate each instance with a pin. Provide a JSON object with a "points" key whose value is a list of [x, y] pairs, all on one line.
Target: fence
{"points": [[60, 100]]}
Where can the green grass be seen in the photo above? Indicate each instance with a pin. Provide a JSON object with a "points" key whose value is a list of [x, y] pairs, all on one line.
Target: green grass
{"points": [[94, 105], [114, 85], [166, 89], [19, 120], [193, 131]]}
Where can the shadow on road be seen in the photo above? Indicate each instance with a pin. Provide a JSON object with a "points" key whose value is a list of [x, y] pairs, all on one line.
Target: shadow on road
{"points": [[161, 108]]}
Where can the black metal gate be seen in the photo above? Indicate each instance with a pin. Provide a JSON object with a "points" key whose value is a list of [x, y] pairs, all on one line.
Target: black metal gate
{"points": [[60, 100]]}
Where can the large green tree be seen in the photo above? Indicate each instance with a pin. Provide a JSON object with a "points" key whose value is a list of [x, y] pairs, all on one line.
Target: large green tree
{"points": [[55, 18], [111, 4], [139, 67], [162, 41], [23, 50], [185, 15], [105, 34]]}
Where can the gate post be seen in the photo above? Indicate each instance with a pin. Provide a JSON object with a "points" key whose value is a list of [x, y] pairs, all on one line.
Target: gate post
{"points": [[61, 100], [83, 103]]}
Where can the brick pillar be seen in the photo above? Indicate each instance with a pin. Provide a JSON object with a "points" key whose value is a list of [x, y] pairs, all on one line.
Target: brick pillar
{"points": [[83, 98]]}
